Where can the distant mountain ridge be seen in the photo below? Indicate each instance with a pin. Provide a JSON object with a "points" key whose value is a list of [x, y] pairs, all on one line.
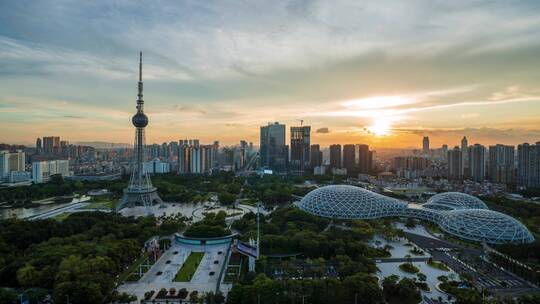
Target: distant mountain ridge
{"points": [[103, 144]]}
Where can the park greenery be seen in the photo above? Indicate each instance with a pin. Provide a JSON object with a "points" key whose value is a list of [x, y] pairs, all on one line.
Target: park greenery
{"points": [[213, 225], [437, 265], [332, 265], [409, 267], [79, 257]]}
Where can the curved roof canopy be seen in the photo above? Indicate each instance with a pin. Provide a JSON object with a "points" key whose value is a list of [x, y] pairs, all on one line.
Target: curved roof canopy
{"points": [[349, 202], [454, 201], [485, 226]]}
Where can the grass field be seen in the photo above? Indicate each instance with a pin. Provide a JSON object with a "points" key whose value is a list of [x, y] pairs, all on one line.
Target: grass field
{"points": [[101, 205], [189, 267], [62, 216]]}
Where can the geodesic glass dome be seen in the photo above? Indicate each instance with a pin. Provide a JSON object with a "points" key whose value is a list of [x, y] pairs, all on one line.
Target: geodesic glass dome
{"points": [[454, 201], [485, 226], [349, 202]]}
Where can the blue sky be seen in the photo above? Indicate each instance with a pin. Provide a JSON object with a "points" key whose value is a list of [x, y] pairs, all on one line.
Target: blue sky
{"points": [[380, 72]]}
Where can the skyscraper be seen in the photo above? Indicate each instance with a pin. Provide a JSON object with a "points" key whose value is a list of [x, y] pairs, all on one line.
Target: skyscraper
{"points": [[528, 173], [140, 190], [38, 145], [335, 156], [425, 145], [465, 154], [501, 164], [349, 157], [365, 159], [455, 165], [316, 156], [274, 153], [477, 162], [300, 144], [51, 144]]}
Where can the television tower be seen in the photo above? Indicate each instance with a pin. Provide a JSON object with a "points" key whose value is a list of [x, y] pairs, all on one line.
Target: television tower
{"points": [[139, 191]]}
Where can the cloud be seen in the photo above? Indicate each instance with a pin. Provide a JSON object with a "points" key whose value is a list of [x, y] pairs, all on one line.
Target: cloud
{"points": [[323, 130]]}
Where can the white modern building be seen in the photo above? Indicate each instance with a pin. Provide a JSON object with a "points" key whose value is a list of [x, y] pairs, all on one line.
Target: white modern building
{"points": [[43, 170], [156, 167], [11, 161]]}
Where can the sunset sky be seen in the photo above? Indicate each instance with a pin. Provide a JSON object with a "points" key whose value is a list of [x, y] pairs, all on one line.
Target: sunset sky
{"points": [[384, 73]]}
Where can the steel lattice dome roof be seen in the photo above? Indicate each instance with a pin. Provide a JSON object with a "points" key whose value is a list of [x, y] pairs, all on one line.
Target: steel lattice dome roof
{"points": [[485, 226], [349, 202], [454, 201]]}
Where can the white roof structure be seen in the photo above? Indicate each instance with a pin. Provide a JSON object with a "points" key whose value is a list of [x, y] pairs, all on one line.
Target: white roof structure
{"points": [[349, 202], [485, 226], [458, 214], [454, 201]]}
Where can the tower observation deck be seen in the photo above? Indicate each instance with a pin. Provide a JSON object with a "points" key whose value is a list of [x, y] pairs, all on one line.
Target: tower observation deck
{"points": [[140, 191]]}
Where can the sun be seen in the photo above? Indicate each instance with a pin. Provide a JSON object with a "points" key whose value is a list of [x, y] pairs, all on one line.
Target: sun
{"points": [[381, 127]]}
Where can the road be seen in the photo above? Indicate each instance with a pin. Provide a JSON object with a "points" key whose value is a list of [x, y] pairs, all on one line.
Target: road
{"points": [[58, 211], [395, 260]]}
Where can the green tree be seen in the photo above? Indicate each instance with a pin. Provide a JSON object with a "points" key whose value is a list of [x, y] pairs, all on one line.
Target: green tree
{"points": [[27, 276], [7, 296]]}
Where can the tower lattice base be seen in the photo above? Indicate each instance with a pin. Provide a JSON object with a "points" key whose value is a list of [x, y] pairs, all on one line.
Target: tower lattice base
{"points": [[146, 198]]}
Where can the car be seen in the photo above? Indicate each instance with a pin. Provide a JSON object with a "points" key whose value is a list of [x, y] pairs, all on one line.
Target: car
{"points": [[176, 252], [168, 262], [159, 273], [211, 273], [216, 262], [220, 252]]}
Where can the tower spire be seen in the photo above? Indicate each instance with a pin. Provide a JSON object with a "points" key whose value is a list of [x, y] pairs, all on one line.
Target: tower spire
{"points": [[140, 67], [140, 86]]}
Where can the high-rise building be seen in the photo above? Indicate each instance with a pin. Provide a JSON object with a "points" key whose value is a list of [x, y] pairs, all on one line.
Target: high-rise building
{"points": [[300, 144], [335, 156], [455, 164], [156, 167], [273, 151], [528, 170], [140, 190], [465, 154], [165, 152], [501, 168], [365, 159], [316, 156], [194, 158], [51, 145], [477, 162], [39, 147], [410, 166], [425, 145], [11, 162], [43, 170], [349, 157]]}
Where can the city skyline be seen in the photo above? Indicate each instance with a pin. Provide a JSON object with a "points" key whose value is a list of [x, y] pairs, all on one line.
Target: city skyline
{"points": [[356, 73]]}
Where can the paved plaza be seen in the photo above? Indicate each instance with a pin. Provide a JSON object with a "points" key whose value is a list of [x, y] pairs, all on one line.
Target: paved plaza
{"points": [[162, 274]]}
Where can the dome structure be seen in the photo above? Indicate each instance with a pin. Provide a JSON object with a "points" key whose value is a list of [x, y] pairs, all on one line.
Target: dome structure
{"points": [[487, 226], [349, 202], [454, 201]]}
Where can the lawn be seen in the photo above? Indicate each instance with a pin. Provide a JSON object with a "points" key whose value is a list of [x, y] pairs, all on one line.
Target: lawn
{"points": [[189, 267], [437, 265], [62, 216], [101, 205]]}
